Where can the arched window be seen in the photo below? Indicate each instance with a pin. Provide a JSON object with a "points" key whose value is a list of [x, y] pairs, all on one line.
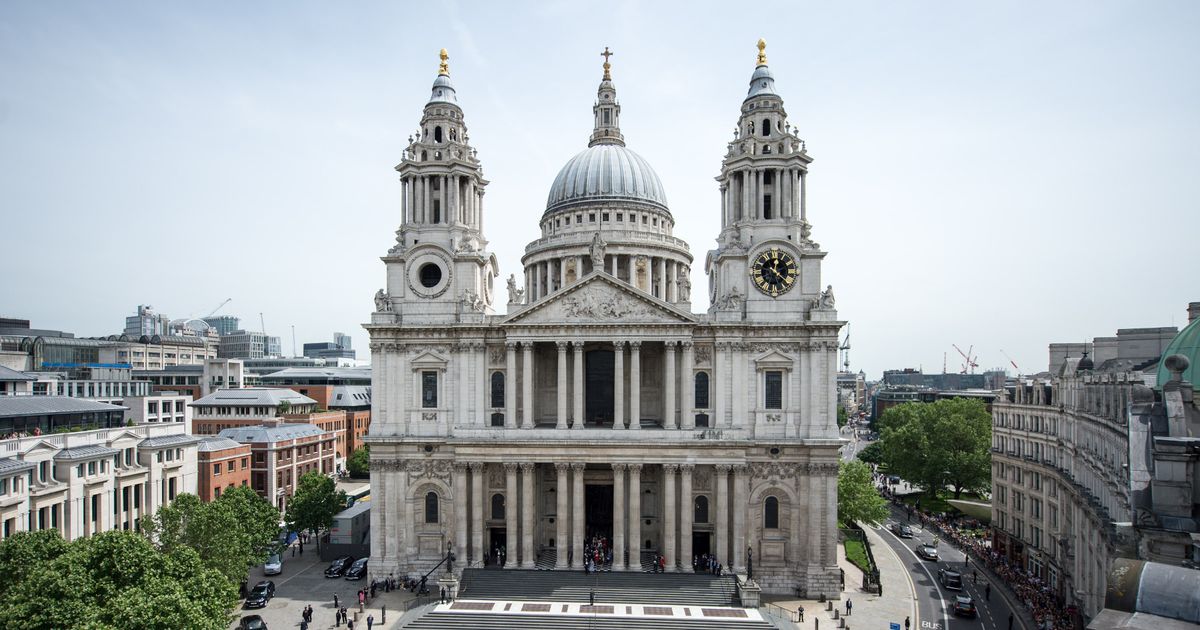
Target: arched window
{"points": [[437, 134], [771, 513], [497, 389], [497, 507], [431, 507], [766, 127], [701, 509], [702, 390], [424, 156]]}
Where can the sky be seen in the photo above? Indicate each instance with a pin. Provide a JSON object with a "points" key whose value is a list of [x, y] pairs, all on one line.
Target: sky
{"points": [[993, 175]]}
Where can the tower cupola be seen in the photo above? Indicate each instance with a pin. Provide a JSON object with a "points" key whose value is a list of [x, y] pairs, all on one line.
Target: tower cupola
{"points": [[607, 110]]}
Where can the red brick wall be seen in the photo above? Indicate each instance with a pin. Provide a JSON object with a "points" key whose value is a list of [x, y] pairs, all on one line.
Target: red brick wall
{"points": [[208, 481]]}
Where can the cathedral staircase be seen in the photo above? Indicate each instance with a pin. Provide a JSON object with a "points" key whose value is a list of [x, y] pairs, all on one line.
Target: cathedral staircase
{"points": [[451, 620], [663, 589]]}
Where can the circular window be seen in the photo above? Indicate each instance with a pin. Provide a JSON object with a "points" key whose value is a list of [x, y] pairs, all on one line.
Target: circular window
{"points": [[775, 450], [431, 275]]}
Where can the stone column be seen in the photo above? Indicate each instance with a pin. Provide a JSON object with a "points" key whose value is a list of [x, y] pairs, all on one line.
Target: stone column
{"points": [[635, 517], [562, 384], [614, 265], [527, 385], [510, 515], [577, 532], [510, 385], [618, 385], [632, 271], [803, 197], [672, 277], [527, 515], [669, 509], [686, 506], [739, 518], [635, 385], [829, 514], [660, 278], [577, 390], [563, 535], [562, 272], [618, 541], [537, 282], [720, 376], [721, 511], [739, 385], [687, 381], [669, 397], [461, 506], [477, 503]]}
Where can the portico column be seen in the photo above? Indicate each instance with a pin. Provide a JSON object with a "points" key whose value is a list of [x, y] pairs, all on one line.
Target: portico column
{"points": [[614, 265], [510, 515], [527, 385], [739, 518], [721, 375], [562, 272], [669, 509], [477, 501], [577, 514], [537, 281], [618, 547], [560, 517], [687, 415], [635, 517], [672, 295], [685, 515], [562, 384], [618, 385], [632, 271], [635, 384], [577, 390], [527, 555], [669, 399], [461, 506], [660, 279], [721, 478], [510, 389]]}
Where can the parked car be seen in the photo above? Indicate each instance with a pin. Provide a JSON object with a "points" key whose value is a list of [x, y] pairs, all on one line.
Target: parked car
{"points": [[951, 580], [274, 565], [358, 570], [965, 607], [339, 566], [260, 594], [927, 551], [902, 530], [252, 622]]}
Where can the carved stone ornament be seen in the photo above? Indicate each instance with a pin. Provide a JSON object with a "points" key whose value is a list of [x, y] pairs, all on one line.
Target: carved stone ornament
{"points": [[731, 301], [702, 478], [383, 302], [438, 469], [773, 470], [471, 301], [516, 295], [388, 465], [589, 306], [429, 416], [496, 355], [703, 355]]}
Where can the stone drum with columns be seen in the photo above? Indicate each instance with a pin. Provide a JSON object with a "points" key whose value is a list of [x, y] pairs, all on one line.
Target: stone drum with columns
{"points": [[599, 411]]}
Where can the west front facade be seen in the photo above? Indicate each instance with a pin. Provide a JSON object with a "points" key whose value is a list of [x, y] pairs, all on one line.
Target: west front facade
{"points": [[598, 406]]}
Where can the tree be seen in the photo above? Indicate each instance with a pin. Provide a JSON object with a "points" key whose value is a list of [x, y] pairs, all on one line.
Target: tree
{"points": [[872, 454], [939, 444], [112, 580], [230, 534], [359, 463], [284, 408], [316, 501], [841, 416], [858, 500]]}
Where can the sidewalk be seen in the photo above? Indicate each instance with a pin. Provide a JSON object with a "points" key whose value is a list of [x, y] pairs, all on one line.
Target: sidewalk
{"points": [[869, 610]]}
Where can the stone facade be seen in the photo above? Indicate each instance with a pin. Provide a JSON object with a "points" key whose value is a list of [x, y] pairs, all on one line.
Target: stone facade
{"points": [[600, 405]]}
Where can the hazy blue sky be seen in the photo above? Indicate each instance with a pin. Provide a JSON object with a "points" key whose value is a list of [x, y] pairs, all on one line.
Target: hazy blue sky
{"points": [[999, 174]]}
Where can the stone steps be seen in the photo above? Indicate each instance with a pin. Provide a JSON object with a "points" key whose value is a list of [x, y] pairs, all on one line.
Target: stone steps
{"points": [[440, 620], [664, 589]]}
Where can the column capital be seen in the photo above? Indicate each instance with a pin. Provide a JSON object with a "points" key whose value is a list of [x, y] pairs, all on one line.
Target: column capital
{"points": [[723, 469], [619, 345], [527, 467], [687, 344], [620, 468], [687, 469], [460, 467], [670, 344], [741, 470], [511, 346], [562, 346], [635, 346], [578, 466], [527, 346], [635, 469], [670, 469], [562, 467], [476, 466], [511, 467], [577, 345]]}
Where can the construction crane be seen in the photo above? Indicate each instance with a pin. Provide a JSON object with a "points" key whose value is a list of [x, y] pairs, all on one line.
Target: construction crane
{"points": [[1010, 360], [969, 363], [219, 307], [845, 348]]}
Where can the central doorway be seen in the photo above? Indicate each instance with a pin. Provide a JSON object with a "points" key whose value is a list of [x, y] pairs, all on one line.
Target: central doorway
{"points": [[598, 519], [498, 550], [701, 543], [598, 391]]}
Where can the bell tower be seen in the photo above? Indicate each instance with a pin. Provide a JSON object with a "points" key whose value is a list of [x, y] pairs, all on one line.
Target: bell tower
{"points": [[765, 266], [440, 269]]}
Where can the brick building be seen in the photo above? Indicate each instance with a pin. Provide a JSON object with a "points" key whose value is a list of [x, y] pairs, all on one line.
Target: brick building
{"points": [[222, 464], [281, 453]]}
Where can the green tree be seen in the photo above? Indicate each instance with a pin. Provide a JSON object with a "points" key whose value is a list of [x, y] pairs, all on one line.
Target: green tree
{"points": [[314, 504], [284, 408], [111, 580], [359, 463], [939, 444], [872, 454], [841, 416], [858, 500]]}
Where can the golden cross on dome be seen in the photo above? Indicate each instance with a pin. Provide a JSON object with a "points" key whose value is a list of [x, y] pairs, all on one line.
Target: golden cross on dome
{"points": [[606, 54], [762, 52], [444, 68]]}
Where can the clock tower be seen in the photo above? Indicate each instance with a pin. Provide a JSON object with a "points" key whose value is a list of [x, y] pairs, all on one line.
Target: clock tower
{"points": [[765, 267]]}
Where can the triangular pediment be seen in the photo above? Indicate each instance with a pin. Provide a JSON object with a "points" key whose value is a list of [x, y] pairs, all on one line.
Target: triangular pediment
{"points": [[125, 435], [429, 359], [42, 446], [600, 299], [773, 358]]}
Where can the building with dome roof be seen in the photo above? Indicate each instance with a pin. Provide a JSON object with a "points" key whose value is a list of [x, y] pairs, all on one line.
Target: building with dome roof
{"points": [[595, 405]]}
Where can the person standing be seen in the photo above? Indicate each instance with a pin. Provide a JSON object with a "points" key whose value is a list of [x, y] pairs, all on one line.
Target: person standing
{"points": [[906, 623], [1010, 621], [987, 592], [335, 601], [370, 621], [848, 605]]}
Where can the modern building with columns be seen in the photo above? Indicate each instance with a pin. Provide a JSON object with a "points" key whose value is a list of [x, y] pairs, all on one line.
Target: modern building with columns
{"points": [[599, 404]]}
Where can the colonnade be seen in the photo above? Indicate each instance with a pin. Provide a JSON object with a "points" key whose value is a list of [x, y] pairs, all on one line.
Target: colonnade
{"points": [[655, 275], [460, 201], [744, 193]]}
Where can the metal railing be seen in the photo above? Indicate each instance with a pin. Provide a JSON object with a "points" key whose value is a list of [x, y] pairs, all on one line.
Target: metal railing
{"points": [[778, 612]]}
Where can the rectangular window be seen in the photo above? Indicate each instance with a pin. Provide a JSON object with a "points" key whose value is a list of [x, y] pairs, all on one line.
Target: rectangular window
{"points": [[91, 468], [774, 393], [429, 393], [216, 469], [229, 467]]}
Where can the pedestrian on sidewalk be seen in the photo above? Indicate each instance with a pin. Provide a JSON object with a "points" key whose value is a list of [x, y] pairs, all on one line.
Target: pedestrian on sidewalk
{"points": [[370, 621], [987, 592], [1010, 620], [849, 604], [345, 617], [906, 623]]}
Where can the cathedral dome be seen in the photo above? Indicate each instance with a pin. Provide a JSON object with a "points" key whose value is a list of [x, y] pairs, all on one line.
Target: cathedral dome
{"points": [[606, 172]]}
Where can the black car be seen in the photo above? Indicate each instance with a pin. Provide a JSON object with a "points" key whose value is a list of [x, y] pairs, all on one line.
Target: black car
{"points": [[252, 622], [358, 570], [928, 552], [902, 530], [260, 594], [965, 607], [951, 580], [339, 566]]}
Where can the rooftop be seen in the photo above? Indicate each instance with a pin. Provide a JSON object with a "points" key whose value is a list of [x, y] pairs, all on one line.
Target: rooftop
{"points": [[17, 406], [270, 397], [264, 433], [216, 443], [7, 374]]}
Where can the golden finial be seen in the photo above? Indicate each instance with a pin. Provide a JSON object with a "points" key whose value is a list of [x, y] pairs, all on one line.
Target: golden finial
{"points": [[606, 54], [762, 52], [445, 67]]}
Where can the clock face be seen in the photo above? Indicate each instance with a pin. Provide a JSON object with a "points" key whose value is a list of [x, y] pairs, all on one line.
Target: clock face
{"points": [[774, 272]]}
